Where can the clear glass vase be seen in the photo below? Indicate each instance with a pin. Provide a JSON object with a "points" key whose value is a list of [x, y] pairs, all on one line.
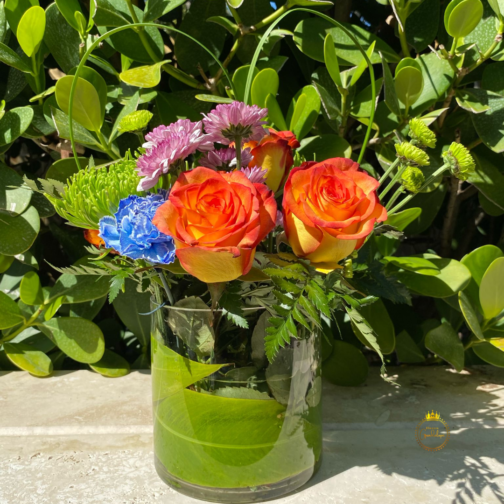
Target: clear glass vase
{"points": [[228, 425]]}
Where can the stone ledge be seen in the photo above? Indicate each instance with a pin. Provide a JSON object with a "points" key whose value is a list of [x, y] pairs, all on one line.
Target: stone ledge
{"points": [[78, 437]]}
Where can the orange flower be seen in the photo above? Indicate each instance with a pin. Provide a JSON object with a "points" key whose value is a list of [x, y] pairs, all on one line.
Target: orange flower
{"points": [[217, 219], [274, 153], [92, 237], [329, 209]]}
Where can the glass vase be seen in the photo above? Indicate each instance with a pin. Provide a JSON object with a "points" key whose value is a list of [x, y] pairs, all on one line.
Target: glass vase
{"points": [[229, 426]]}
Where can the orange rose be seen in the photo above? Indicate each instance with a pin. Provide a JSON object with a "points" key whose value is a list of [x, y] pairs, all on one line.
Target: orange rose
{"points": [[91, 235], [274, 153], [217, 219], [329, 209]]}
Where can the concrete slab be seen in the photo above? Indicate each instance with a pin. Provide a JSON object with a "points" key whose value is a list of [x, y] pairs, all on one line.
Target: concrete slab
{"points": [[79, 438]]}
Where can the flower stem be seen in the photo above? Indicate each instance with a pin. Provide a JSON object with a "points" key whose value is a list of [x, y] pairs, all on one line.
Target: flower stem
{"points": [[27, 324], [394, 180], [394, 197], [105, 145], [238, 143], [166, 286], [404, 42], [269, 19], [438, 172], [388, 171], [182, 76]]}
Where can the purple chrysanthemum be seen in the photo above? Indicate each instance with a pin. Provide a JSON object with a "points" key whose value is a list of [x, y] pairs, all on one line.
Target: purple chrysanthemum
{"points": [[230, 120], [256, 175], [167, 144], [223, 159], [279, 219]]}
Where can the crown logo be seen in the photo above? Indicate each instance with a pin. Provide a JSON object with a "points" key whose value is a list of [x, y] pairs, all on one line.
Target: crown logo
{"points": [[432, 416]]}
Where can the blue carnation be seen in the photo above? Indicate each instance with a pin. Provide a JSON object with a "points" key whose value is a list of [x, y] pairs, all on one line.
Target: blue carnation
{"points": [[132, 233]]}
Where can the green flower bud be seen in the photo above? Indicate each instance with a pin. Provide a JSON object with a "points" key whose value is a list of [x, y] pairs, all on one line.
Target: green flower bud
{"points": [[348, 268], [136, 121], [92, 193], [460, 160], [411, 155], [420, 132], [412, 179]]}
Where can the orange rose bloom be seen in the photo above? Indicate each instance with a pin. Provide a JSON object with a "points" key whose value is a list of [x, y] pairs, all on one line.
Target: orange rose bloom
{"points": [[329, 209], [217, 219], [274, 153], [91, 235]]}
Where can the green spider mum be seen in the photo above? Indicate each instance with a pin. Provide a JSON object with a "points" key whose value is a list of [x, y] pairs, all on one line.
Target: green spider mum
{"points": [[412, 179], [92, 193], [460, 160], [420, 133], [411, 155]]}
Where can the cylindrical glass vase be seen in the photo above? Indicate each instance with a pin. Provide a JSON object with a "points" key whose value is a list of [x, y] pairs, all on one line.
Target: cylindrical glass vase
{"points": [[228, 425]]}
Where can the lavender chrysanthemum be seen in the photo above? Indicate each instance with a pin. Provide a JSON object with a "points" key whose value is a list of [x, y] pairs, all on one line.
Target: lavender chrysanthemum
{"points": [[256, 175], [223, 159], [230, 120], [167, 144]]}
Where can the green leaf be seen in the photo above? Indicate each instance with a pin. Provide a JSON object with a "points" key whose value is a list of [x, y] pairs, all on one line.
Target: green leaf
{"points": [[378, 318], [62, 169], [318, 297], [14, 10], [452, 278], [14, 123], [346, 366], [469, 100], [416, 264], [213, 99], [61, 39], [188, 53], [18, 232], [489, 123], [68, 9], [158, 8], [324, 146], [30, 291], [191, 320], [310, 34], [144, 76], [477, 262], [265, 82], [402, 219], [303, 112], [437, 78], [275, 115], [359, 69], [80, 288], [422, 25], [408, 81], [445, 343], [5, 263], [111, 365], [14, 198], [462, 16], [80, 339], [487, 177], [366, 331], [52, 307], [491, 352], [88, 310], [240, 79], [86, 105], [11, 58], [278, 335], [391, 99], [31, 28], [10, 315], [331, 60], [407, 350], [491, 297], [470, 315], [25, 357], [128, 306]]}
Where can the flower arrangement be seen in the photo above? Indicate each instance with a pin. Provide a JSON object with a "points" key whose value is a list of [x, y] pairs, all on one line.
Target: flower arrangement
{"points": [[217, 208]]}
